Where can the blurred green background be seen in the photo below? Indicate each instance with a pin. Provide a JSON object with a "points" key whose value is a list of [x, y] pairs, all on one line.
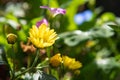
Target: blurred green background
{"points": [[89, 32]]}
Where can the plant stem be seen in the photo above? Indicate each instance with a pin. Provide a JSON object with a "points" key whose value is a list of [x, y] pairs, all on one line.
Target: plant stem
{"points": [[28, 61], [48, 52], [33, 65], [13, 70], [48, 55], [36, 58], [23, 72], [48, 3]]}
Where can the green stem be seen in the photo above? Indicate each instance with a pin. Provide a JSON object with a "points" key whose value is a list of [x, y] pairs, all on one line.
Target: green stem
{"points": [[48, 3], [48, 52], [23, 72], [28, 61], [55, 73], [36, 58], [48, 55], [13, 70], [33, 65], [7, 62]]}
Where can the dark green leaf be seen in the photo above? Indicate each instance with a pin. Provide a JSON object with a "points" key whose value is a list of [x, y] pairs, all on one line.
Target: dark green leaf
{"points": [[47, 77], [115, 27]]}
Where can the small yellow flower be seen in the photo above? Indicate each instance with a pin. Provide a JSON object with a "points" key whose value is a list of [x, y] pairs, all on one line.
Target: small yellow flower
{"points": [[71, 63], [56, 60], [90, 43], [42, 36], [11, 38]]}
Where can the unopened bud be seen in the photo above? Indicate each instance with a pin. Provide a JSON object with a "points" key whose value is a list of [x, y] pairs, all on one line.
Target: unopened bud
{"points": [[11, 38]]}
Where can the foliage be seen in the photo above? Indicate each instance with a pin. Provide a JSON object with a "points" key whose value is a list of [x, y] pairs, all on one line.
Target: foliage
{"points": [[93, 45]]}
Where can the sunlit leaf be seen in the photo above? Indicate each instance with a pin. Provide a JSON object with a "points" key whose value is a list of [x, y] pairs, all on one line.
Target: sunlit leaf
{"points": [[12, 17], [71, 11], [75, 37]]}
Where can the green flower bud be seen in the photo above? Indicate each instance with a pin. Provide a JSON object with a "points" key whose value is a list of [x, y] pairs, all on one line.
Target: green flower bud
{"points": [[11, 38]]}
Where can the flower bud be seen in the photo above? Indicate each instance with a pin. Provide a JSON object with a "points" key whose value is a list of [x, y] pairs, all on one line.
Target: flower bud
{"points": [[11, 38]]}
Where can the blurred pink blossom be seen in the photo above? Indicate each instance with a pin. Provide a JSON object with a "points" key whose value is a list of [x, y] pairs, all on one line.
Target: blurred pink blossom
{"points": [[54, 11], [42, 21]]}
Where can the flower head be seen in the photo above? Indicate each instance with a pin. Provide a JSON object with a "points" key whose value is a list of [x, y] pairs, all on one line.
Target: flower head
{"points": [[55, 60], [42, 21], [54, 11], [11, 38], [42, 36], [71, 63]]}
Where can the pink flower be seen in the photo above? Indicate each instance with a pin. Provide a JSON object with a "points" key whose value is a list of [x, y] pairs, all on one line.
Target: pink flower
{"points": [[42, 21], [54, 11]]}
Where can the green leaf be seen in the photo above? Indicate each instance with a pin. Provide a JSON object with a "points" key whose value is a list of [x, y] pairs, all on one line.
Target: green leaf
{"points": [[75, 37], [22, 35], [115, 27], [11, 17], [33, 21], [102, 32], [47, 77], [38, 75], [71, 11]]}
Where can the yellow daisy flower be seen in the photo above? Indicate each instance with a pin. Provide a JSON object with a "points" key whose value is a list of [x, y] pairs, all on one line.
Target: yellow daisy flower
{"points": [[42, 36], [71, 63], [56, 60]]}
